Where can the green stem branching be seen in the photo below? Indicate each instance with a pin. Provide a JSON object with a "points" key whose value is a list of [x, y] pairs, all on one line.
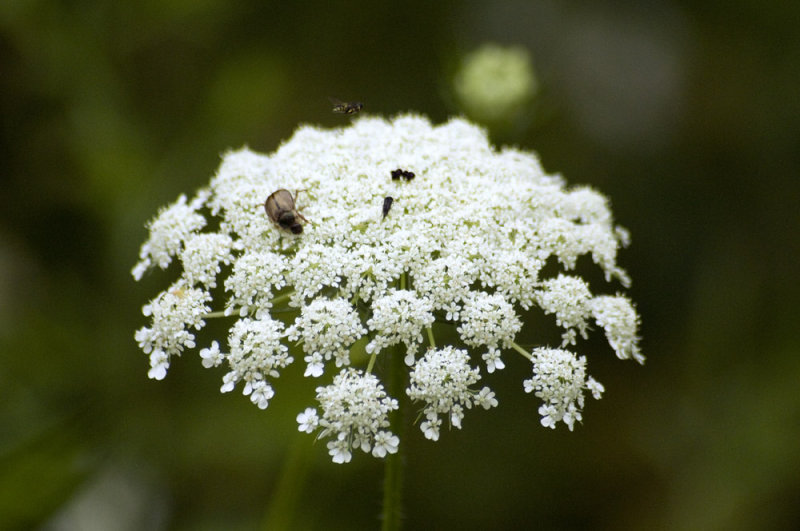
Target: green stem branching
{"points": [[431, 339], [522, 351], [277, 300]]}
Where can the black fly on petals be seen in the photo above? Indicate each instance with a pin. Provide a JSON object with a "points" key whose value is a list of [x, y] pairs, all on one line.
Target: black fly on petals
{"points": [[387, 204], [398, 173]]}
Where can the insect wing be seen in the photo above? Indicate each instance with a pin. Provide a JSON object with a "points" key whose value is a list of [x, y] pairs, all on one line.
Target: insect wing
{"points": [[339, 106]]}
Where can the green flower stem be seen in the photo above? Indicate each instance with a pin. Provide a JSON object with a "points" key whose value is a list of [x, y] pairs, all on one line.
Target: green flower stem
{"points": [[393, 468], [371, 362], [277, 300], [288, 492], [431, 340], [522, 351], [282, 298]]}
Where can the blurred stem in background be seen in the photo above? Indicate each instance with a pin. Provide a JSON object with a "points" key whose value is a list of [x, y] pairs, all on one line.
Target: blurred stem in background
{"points": [[393, 468], [283, 503]]}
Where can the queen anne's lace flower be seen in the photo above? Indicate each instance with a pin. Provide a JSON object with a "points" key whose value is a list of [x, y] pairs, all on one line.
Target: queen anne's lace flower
{"points": [[328, 328], [441, 380], [461, 254], [398, 317], [211, 356], [559, 379], [488, 320], [619, 319], [256, 353], [355, 408], [308, 420], [168, 231], [255, 276], [202, 256], [447, 280], [568, 298], [174, 311]]}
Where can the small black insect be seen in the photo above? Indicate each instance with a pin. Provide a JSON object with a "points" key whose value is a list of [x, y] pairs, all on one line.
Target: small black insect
{"points": [[280, 207], [407, 175], [345, 107], [387, 204]]}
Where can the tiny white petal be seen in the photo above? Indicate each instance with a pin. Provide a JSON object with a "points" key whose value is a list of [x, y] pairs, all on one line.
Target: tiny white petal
{"points": [[308, 420]]}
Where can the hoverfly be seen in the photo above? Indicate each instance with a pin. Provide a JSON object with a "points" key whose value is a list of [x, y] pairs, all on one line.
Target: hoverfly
{"points": [[344, 107]]}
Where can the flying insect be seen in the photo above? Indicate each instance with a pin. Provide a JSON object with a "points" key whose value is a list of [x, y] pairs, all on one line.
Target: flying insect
{"points": [[344, 107]]}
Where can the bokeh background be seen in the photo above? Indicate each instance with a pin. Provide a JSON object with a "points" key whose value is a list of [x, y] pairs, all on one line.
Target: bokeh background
{"points": [[686, 114]]}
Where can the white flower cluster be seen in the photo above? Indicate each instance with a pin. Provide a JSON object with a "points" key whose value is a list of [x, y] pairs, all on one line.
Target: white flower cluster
{"points": [[559, 379], [202, 256], [491, 321], [618, 317], [254, 277], [328, 329], [441, 379], [355, 408], [168, 231], [173, 312], [462, 251], [568, 298], [256, 352], [398, 317], [447, 280]]}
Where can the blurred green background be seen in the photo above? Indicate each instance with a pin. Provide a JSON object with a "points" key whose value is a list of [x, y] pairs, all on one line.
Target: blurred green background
{"points": [[686, 114]]}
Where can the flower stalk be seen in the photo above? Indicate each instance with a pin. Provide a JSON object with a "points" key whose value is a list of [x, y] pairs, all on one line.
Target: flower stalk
{"points": [[522, 351], [392, 510]]}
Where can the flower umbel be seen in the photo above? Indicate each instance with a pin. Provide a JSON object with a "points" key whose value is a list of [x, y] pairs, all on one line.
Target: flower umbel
{"points": [[173, 311], [399, 316], [441, 380], [462, 250], [256, 352], [328, 329], [354, 409], [559, 379]]}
